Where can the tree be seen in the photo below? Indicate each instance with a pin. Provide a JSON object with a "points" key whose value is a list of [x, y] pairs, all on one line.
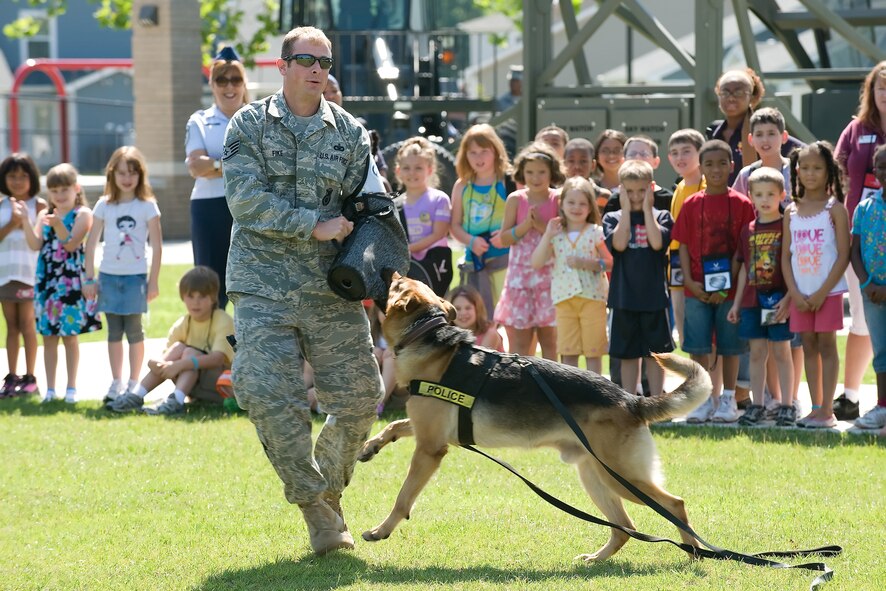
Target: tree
{"points": [[221, 22]]}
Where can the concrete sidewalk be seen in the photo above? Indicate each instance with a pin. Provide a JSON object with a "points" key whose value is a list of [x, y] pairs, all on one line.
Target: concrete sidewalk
{"points": [[94, 378]]}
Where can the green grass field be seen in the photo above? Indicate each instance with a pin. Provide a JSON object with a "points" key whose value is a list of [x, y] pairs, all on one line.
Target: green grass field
{"points": [[100, 502]]}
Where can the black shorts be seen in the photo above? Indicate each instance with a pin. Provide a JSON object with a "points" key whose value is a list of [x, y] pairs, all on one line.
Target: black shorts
{"points": [[638, 334]]}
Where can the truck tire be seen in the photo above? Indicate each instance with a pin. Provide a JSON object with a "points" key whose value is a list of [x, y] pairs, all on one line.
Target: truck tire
{"points": [[445, 166]]}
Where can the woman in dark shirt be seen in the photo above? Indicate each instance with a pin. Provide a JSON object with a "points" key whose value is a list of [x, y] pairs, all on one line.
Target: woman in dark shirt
{"points": [[739, 92]]}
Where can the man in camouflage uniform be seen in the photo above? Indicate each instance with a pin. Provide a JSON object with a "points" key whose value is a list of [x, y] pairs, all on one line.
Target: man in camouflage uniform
{"points": [[287, 163]]}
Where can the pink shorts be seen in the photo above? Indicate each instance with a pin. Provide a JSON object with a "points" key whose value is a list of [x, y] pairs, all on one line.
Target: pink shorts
{"points": [[829, 317]]}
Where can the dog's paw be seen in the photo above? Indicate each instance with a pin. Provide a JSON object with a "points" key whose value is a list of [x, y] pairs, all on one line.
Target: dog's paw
{"points": [[368, 452], [373, 536], [589, 558]]}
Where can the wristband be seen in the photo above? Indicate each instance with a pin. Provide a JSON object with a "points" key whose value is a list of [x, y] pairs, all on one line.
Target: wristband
{"points": [[195, 362], [88, 281], [866, 283], [514, 233], [471, 243], [724, 294], [602, 264]]}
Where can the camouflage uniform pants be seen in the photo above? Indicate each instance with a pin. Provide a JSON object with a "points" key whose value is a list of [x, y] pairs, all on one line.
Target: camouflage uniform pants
{"points": [[334, 337]]}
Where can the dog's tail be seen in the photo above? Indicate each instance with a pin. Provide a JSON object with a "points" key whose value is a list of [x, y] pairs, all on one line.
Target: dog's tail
{"points": [[694, 390]]}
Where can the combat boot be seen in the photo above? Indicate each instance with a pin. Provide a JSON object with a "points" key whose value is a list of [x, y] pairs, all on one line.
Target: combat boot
{"points": [[334, 502], [326, 528]]}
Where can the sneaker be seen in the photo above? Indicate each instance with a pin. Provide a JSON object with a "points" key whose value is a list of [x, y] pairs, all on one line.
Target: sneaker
{"points": [[9, 383], [49, 397], [71, 396], [787, 416], [113, 394], [127, 402], [872, 419], [170, 406], [727, 412], [771, 406], [795, 404], [845, 409], [827, 423], [703, 413], [26, 386], [753, 414]]}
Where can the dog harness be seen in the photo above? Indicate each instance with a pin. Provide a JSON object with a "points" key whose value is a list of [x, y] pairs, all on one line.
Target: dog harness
{"points": [[499, 378], [463, 386]]}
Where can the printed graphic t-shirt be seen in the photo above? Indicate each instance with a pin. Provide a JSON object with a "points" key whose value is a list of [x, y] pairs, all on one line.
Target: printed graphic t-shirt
{"points": [[431, 207], [870, 226], [761, 252], [125, 235], [639, 273]]}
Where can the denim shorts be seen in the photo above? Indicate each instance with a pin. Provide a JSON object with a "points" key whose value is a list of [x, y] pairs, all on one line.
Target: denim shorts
{"points": [[875, 315], [122, 294], [701, 321], [750, 327]]}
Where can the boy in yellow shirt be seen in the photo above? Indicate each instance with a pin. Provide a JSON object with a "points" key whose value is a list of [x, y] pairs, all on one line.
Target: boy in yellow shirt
{"points": [[197, 350]]}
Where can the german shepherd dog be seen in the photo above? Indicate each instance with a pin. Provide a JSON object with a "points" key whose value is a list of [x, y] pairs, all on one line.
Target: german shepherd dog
{"points": [[616, 423]]}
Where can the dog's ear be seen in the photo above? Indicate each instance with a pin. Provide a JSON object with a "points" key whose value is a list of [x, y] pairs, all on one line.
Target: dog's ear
{"points": [[402, 298], [451, 313]]}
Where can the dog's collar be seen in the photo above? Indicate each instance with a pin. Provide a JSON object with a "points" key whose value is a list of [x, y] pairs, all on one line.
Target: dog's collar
{"points": [[421, 327]]}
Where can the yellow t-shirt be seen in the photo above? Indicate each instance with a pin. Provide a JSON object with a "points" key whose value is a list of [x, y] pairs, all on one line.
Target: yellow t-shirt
{"points": [[681, 192], [210, 335]]}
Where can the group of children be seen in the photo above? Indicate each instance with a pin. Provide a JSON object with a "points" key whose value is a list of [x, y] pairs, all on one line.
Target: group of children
{"points": [[548, 249], [49, 285], [759, 263]]}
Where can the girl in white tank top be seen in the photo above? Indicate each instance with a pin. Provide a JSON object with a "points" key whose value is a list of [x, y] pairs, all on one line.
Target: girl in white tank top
{"points": [[815, 254], [19, 185]]}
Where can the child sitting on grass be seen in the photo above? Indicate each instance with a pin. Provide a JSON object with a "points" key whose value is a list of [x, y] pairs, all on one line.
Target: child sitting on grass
{"points": [[197, 351]]}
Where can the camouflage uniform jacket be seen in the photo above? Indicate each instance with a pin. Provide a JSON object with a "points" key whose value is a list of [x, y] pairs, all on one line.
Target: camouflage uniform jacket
{"points": [[280, 182]]}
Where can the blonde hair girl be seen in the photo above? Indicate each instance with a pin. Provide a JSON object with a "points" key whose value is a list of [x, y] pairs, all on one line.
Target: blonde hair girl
{"points": [[428, 214], [579, 286], [62, 311], [126, 217], [478, 209]]}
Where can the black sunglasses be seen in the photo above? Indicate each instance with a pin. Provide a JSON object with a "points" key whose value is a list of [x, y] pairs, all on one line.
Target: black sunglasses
{"points": [[307, 60], [224, 80]]}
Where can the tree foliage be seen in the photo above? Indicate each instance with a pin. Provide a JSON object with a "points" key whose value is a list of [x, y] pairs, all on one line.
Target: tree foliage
{"points": [[221, 22]]}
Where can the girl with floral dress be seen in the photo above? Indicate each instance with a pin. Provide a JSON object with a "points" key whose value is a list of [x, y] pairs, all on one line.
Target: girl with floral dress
{"points": [[61, 309], [525, 308]]}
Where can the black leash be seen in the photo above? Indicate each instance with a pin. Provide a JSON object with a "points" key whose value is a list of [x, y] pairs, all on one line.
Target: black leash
{"points": [[711, 551]]}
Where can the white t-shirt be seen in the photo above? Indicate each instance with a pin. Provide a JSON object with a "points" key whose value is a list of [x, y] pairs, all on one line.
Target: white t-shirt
{"points": [[125, 235], [206, 131]]}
